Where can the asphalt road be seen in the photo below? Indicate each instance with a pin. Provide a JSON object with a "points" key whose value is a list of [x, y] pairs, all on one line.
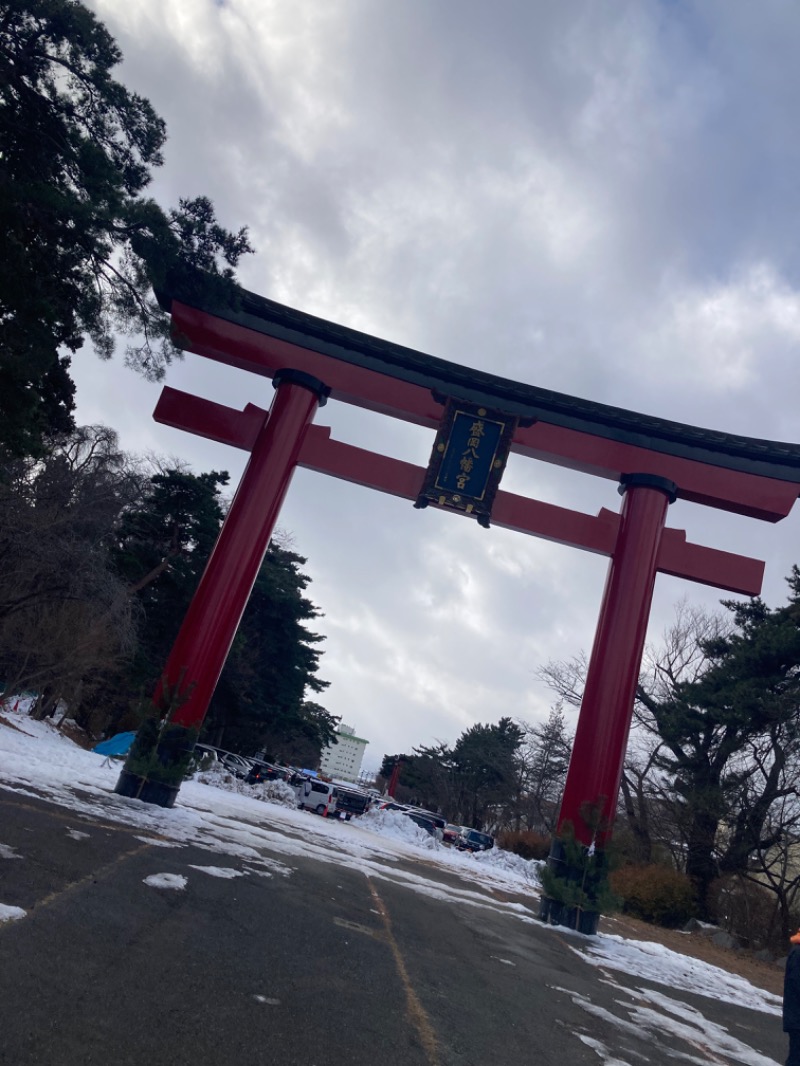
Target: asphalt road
{"points": [[320, 965]]}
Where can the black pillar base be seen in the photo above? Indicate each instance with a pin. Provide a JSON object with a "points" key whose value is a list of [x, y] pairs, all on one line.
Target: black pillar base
{"points": [[155, 792], [157, 762], [555, 913], [569, 866]]}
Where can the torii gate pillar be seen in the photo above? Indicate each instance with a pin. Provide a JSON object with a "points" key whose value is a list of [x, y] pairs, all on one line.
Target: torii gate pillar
{"points": [[601, 737], [589, 802], [207, 631]]}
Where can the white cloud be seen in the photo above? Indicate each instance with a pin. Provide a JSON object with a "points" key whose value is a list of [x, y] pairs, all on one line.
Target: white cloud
{"points": [[726, 332], [599, 199]]}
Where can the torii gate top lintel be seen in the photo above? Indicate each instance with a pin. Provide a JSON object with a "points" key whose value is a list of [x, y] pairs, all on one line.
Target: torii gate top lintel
{"points": [[757, 478]]}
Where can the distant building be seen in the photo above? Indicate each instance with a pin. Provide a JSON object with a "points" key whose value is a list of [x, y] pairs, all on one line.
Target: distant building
{"points": [[343, 760]]}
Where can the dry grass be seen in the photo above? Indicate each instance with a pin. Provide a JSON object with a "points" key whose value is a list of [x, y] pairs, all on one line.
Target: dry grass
{"points": [[77, 735], [10, 724], [767, 975]]}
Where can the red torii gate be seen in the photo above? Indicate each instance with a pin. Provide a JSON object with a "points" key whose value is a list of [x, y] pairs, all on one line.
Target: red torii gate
{"points": [[653, 460]]}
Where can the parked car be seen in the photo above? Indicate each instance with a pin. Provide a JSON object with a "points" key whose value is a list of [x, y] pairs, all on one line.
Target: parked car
{"points": [[204, 757], [451, 833], [315, 795], [266, 771], [350, 801], [237, 764], [390, 805], [437, 819], [473, 840], [423, 822]]}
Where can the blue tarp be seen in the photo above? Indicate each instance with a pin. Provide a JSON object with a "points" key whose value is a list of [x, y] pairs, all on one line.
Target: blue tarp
{"points": [[118, 745]]}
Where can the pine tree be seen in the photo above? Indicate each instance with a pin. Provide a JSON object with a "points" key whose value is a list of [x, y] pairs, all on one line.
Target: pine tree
{"points": [[82, 243], [550, 752], [728, 737], [161, 547], [484, 757], [262, 700]]}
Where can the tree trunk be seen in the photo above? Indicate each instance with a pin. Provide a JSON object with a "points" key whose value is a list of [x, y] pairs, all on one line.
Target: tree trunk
{"points": [[701, 867], [45, 705]]}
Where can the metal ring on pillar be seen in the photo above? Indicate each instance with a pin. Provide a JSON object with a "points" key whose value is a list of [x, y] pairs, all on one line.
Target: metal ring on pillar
{"points": [[648, 481], [287, 375]]}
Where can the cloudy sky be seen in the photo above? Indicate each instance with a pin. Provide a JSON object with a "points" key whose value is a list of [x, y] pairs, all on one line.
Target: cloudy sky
{"points": [[600, 199]]}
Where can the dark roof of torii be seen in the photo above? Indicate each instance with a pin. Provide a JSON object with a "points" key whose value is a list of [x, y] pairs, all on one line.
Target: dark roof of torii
{"points": [[747, 454]]}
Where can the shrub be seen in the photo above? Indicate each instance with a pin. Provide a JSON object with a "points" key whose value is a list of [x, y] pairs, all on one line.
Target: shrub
{"points": [[161, 752], [524, 842], [575, 885], [656, 894]]}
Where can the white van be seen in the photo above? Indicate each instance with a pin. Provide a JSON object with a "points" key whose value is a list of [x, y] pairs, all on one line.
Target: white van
{"points": [[313, 795]]}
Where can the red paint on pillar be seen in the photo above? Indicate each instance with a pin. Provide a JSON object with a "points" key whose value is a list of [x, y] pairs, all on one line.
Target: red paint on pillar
{"points": [[207, 632], [394, 779], [601, 738]]}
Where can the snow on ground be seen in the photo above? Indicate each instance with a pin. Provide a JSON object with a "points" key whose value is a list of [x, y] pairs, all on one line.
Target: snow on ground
{"points": [[218, 871], [231, 821], [37, 760], [650, 1016], [177, 881], [646, 959], [8, 914]]}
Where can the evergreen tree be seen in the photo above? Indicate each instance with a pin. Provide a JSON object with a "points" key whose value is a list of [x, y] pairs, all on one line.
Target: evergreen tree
{"points": [[82, 244], [262, 697], [484, 757], [546, 771], [730, 734], [388, 764], [474, 782], [431, 774], [161, 547], [715, 738]]}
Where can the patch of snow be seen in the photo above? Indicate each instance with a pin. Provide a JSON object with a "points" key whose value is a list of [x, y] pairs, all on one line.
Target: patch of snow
{"points": [[501, 861], [76, 834], [177, 881], [21, 704], [221, 778], [267, 791], [395, 826], [602, 1051], [218, 871], [7, 852], [663, 966], [271, 866], [652, 1015], [275, 792], [10, 914]]}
